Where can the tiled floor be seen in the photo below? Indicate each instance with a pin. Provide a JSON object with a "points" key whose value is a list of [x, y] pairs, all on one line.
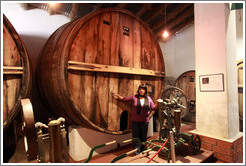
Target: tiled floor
{"points": [[206, 156]]}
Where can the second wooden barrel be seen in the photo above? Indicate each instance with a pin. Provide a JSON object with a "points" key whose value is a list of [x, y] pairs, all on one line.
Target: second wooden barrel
{"points": [[17, 72], [86, 59], [240, 87], [187, 82]]}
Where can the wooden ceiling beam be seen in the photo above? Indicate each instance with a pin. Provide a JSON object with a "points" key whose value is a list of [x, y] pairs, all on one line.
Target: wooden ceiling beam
{"points": [[180, 9], [143, 9], [156, 12], [184, 15], [171, 15], [99, 6]]}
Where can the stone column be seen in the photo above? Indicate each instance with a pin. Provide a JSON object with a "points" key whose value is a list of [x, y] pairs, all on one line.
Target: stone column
{"points": [[217, 117], [215, 53]]}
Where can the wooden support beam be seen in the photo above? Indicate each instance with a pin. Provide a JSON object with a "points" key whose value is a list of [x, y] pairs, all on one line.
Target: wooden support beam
{"points": [[143, 9], [155, 13], [169, 26], [170, 16], [12, 70], [99, 6], [180, 9], [181, 18], [73, 65]]}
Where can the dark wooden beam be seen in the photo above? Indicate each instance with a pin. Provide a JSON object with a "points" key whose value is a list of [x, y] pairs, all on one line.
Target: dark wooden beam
{"points": [[143, 9], [180, 9], [170, 16], [182, 16], [99, 6], [156, 12]]}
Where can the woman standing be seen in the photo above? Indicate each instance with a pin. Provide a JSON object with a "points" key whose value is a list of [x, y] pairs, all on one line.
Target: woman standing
{"points": [[142, 110]]}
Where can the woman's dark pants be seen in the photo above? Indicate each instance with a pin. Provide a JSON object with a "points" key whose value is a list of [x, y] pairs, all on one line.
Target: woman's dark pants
{"points": [[139, 130]]}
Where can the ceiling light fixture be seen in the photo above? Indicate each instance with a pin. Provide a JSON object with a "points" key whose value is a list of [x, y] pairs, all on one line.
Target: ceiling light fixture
{"points": [[165, 33]]}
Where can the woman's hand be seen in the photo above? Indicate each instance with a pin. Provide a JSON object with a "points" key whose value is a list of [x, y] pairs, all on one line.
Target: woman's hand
{"points": [[116, 95], [151, 114], [156, 105]]}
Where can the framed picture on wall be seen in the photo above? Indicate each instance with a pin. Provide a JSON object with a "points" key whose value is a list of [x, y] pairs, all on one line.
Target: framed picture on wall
{"points": [[211, 82]]}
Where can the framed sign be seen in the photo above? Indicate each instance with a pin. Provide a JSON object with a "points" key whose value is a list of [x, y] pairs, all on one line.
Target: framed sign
{"points": [[211, 83]]}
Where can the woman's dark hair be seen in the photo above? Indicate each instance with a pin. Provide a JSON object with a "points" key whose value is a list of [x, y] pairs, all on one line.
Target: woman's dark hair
{"points": [[146, 100], [144, 87]]}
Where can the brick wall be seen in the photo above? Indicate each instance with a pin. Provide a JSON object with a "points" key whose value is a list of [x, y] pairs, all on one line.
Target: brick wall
{"points": [[229, 152]]}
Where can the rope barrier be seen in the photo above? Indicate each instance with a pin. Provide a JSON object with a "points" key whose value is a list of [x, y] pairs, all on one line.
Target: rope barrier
{"points": [[158, 151]]}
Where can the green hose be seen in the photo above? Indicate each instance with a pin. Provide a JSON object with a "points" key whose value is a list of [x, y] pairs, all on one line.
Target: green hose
{"points": [[97, 147]]}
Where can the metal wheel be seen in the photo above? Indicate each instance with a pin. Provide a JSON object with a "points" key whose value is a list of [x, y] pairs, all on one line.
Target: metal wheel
{"points": [[179, 96], [28, 127], [196, 144]]}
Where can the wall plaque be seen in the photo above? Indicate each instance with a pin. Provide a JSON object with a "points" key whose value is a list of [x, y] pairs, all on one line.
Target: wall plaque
{"points": [[211, 82]]}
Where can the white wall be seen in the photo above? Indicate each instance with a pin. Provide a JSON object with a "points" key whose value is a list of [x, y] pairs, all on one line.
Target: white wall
{"points": [[33, 26], [215, 38], [179, 52]]}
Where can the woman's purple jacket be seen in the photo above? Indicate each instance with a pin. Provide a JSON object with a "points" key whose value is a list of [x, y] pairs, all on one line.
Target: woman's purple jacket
{"points": [[143, 116]]}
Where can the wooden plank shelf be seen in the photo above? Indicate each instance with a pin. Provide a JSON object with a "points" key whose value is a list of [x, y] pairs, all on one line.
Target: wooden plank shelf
{"points": [[73, 65], [12, 70]]}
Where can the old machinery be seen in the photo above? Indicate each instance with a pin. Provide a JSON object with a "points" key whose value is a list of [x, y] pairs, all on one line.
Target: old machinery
{"points": [[178, 98], [172, 107], [34, 137]]}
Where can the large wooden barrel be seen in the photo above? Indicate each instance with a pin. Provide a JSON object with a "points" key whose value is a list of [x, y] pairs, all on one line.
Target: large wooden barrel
{"points": [[86, 59], [240, 87], [17, 72]]}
